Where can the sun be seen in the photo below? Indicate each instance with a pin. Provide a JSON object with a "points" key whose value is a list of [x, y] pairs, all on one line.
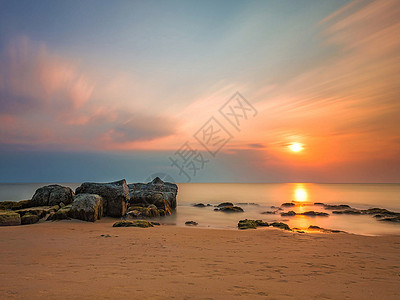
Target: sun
{"points": [[296, 147]]}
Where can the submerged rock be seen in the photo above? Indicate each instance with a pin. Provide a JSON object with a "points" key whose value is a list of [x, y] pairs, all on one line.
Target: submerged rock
{"points": [[269, 212], [391, 219], [317, 228], [340, 206], [251, 224], [288, 204], [289, 213], [280, 225], [115, 196], [199, 205], [136, 223], [191, 223], [230, 209], [223, 204], [9, 218], [314, 214], [29, 219], [87, 207], [352, 211], [52, 195]]}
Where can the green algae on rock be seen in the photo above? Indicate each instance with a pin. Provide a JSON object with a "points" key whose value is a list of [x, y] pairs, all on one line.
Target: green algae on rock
{"points": [[135, 223]]}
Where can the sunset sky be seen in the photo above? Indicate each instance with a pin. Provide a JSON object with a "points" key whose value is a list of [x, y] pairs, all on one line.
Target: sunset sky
{"points": [[104, 90]]}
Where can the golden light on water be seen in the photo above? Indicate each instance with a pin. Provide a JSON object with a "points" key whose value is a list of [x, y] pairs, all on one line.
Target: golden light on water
{"points": [[300, 194], [296, 147]]}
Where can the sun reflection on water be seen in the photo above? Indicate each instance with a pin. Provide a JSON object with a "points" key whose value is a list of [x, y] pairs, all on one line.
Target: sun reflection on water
{"points": [[300, 193]]}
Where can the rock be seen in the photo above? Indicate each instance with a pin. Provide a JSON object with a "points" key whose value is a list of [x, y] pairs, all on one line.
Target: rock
{"points": [[251, 224], [199, 205], [155, 223], [317, 228], [341, 206], [288, 204], [142, 193], [136, 223], [280, 225], [62, 214], [289, 213], [29, 219], [381, 211], [269, 212], [230, 209], [115, 196], [144, 212], [40, 211], [225, 204], [391, 219], [275, 207], [161, 194], [52, 195], [314, 214], [319, 203], [352, 211], [191, 223], [87, 207], [9, 218], [14, 205], [247, 224]]}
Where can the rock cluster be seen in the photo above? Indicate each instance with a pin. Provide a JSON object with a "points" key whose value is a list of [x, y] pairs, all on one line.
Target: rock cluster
{"points": [[253, 224], [91, 201]]}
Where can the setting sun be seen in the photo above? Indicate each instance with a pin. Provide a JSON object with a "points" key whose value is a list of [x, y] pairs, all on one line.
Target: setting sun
{"points": [[296, 147]]}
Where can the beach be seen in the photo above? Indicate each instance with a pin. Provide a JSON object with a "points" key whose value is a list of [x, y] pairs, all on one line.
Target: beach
{"points": [[79, 260]]}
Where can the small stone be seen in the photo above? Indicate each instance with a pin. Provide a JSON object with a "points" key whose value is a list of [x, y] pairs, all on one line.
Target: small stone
{"points": [[191, 223]]}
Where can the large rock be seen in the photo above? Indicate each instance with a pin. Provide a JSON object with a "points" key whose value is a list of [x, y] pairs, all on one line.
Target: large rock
{"points": [[115, 196], [159, 193], [9, 218], [52, 195], [87, 207]]}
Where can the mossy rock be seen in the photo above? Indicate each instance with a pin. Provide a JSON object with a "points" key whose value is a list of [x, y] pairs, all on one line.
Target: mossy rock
{"points": [[280, 225], [61, 214], [247, 224], [14, 205], [231, 209], [136, 223], [251, 224], [29, 219], [144, 212], [312, 213], [9, 218]]}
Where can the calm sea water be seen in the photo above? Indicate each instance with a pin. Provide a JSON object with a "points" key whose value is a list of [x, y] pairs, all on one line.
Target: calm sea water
{"points": [[360, 196]]}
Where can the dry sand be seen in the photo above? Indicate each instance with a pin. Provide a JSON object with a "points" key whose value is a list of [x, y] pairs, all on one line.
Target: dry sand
{"points": [[71, 260]]}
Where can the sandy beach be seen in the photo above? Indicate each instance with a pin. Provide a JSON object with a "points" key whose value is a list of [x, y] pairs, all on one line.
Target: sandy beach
{"points": [[81, 260]]}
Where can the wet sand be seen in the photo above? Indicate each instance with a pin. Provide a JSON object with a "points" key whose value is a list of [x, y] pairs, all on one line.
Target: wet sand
{"points": [[71, 260]]}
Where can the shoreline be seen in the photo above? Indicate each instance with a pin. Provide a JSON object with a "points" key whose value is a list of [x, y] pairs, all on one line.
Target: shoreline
{"points": [[72, 260]]}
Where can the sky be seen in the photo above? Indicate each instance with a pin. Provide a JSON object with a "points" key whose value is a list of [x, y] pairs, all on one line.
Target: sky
{"points": [[200, 91]]}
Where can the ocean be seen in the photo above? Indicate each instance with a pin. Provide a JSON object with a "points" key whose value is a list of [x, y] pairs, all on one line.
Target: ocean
{"points": [[258, 198]]}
